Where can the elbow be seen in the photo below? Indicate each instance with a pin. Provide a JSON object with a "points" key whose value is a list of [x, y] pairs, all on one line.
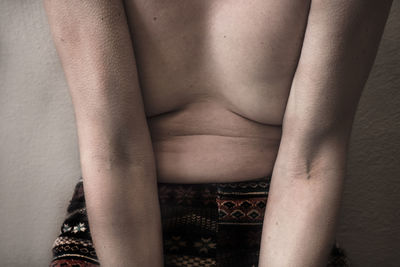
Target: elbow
{"points": [[311, 151], [306, 138], [318, 129]]}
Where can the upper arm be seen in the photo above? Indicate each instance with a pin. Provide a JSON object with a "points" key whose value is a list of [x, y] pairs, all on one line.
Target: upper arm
{"points": [[339, 47], [93, 42]]}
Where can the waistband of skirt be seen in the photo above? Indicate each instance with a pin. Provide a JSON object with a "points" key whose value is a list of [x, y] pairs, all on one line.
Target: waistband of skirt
{"points": [[232, 184], [209, 193], [254, 180], [239, 189]]}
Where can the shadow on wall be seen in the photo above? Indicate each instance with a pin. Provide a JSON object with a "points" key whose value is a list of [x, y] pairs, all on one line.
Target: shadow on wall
{"points": [[369, 227]]}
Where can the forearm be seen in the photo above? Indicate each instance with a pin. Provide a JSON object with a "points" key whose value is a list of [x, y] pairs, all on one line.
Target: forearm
{"points": [[340, 43], [120, 180], [124, 214], [303, 205], [94, 43]]}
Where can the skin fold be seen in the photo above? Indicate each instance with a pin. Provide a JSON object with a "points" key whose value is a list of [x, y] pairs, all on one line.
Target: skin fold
{"points": [[215, 91]]}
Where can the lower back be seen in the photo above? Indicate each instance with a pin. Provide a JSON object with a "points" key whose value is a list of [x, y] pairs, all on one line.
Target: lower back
{"points": [[205, 142]]}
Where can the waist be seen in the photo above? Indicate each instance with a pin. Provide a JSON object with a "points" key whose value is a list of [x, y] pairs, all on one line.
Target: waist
{"points": [[212, 145], [210, 158]]}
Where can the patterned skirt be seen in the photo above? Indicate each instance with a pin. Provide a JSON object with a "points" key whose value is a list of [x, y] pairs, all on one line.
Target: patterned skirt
{"points": [[204, 225]]}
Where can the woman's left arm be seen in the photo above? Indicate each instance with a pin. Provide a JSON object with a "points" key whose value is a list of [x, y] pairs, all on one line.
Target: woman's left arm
{"points": [[340, 44]]}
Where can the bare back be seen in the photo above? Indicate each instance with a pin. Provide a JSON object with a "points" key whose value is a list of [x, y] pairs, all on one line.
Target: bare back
{"points": [[215, 78], [222, 85]]}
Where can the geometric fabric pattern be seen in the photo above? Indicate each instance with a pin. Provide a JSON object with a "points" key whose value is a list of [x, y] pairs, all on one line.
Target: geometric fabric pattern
{"points": [[204, 225]]}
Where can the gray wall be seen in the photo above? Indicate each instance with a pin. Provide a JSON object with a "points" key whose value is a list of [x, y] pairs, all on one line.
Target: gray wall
{"points": [[370, 221], [39, 160]]}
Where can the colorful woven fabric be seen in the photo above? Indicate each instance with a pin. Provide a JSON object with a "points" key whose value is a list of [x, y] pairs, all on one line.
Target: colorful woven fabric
{"points": [[204, 225]]}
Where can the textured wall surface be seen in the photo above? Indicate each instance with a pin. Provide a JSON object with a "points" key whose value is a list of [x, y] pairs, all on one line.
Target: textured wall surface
{"points": [[370, 221], [39, 160]]}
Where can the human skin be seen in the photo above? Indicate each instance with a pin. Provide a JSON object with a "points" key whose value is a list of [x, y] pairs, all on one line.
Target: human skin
{"points": [[215, 91], [339, 48], [116, 155]]}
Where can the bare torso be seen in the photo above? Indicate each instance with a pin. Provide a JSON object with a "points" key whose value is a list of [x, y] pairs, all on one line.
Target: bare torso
{"points": [[215, 78]]}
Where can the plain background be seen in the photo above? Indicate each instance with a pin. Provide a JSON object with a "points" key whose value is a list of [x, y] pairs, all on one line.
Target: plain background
{"points": [[39, 160]]}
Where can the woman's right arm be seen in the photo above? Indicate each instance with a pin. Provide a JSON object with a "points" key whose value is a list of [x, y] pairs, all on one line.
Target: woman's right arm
{"points": [[93, 42]]}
